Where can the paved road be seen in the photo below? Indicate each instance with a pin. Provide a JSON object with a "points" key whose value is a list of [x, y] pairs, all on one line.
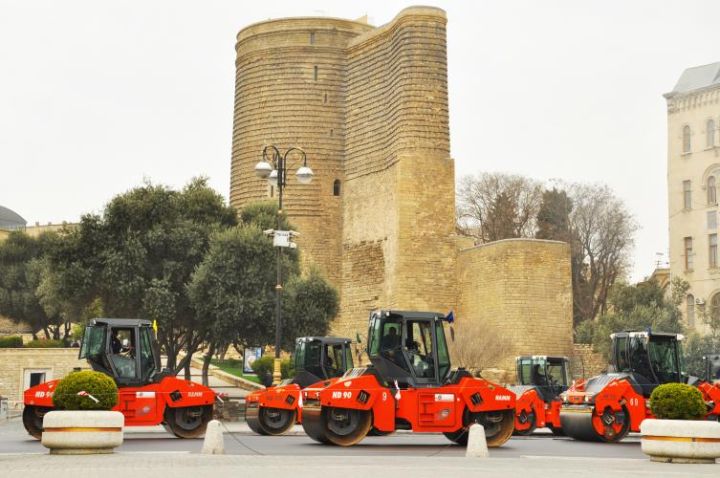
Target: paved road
{"points": [[13, 439]]}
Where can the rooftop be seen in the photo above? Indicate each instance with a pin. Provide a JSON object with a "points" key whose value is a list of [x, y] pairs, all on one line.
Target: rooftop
{"points": [[10, 220], [697, 78]]}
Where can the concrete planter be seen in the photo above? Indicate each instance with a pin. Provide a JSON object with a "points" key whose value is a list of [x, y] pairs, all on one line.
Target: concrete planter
{"points": [[82, 432], [681, 441]]}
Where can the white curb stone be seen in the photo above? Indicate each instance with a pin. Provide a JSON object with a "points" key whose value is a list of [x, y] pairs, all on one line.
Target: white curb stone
{"points": [[214, 443], [477, 444]]}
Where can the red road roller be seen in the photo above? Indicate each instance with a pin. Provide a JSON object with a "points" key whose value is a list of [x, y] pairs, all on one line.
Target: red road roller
{"points": [[408, 386], [609, 406], [274, 410], [541, 379], [127, 351]]}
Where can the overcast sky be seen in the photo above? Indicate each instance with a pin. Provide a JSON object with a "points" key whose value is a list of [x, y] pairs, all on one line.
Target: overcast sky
{"points": [[95, 96]]}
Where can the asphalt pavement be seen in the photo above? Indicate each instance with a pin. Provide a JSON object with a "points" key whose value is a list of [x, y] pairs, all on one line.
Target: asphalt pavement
{"points": [[151, 452], [239, 440]]}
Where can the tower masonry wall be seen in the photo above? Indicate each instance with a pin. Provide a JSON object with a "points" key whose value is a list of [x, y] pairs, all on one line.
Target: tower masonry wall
{"points": [[398, 208], [520, 289]]}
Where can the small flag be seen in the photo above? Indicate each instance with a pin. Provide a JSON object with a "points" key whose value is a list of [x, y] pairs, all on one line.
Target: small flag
{"points": [[83, 393], [155, 326], [450, 317]]}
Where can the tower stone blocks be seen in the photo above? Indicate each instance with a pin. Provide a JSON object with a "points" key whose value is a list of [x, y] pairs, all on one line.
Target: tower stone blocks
{"points": [[522, 289], [370, 107]]}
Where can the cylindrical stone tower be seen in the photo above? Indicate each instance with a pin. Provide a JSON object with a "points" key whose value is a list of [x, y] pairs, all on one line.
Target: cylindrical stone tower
{"points": [[290, 91]]}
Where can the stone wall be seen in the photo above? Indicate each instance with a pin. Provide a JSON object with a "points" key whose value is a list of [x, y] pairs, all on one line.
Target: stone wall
{"points": [[584, 363], [399, 205], [521, 289], [14, 363]]}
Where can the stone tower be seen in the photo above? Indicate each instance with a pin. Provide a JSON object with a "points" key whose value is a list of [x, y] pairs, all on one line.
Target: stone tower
{"points": [[290, 90], [369, 105], [370, 108]]}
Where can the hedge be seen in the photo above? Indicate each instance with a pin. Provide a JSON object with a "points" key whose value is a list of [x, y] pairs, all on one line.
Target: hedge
{"points": [[264, 366], [677, 401], [11, 342], [97, 384]]}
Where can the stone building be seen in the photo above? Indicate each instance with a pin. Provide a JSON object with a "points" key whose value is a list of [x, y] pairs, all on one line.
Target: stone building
{"points": [[369, 106], [693, 172]]}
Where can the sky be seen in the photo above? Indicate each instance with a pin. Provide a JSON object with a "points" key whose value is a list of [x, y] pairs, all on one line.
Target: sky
{"points": [[98, 96]]}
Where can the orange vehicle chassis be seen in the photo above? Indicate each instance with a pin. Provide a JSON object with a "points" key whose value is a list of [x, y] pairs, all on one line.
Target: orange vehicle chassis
{"points": [[359, 401]]}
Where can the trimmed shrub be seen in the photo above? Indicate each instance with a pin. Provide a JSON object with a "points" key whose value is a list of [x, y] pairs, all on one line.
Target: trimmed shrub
{"points": [[11, 342], [44, 344], [96, 384], [263, 368], [677, 401]]}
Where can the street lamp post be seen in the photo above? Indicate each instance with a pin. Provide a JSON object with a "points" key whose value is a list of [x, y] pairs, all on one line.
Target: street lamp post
{"points": [[275, 169]]}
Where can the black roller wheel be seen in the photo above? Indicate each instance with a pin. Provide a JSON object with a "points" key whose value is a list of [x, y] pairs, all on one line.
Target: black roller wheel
{"points": [[276, 421], [188, 422], [312, 423], [582, 423], [374, 432], [498, 427], [557, 431], [526, 420], [460, 436], [33, 420], [346, 426], [252, 418]]}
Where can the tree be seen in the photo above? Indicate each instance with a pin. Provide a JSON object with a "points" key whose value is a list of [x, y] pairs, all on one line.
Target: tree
{"points": [[137, 258], [21, 266], [233, 289], [494, 206], [477, 345], [553, 219], [635, 307], [309, 306], [601, 240]]}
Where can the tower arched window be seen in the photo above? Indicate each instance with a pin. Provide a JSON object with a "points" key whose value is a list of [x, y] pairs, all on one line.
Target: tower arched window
{"points": [[710, 132], [711, 190], [690, 310], [336, 188], [686, 139]]}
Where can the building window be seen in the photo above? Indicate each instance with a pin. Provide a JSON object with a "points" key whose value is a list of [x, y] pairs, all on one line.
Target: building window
{"points": [[712, 250], [690, 310], [688, 254], [715, 308], [336, 188], [315, 72], [711, 190], [711, 220], [687, 195], [312, 38], [710, 133], [686, 139]]}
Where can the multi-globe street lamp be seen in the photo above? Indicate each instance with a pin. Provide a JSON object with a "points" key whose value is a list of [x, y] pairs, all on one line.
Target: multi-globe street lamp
{"points": [[273, 167]]}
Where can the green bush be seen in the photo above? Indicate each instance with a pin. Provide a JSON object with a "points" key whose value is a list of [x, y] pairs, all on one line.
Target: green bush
{"points": [[44, 344], [11, 342], [677, 401], [263, 368], [96, 384]]}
